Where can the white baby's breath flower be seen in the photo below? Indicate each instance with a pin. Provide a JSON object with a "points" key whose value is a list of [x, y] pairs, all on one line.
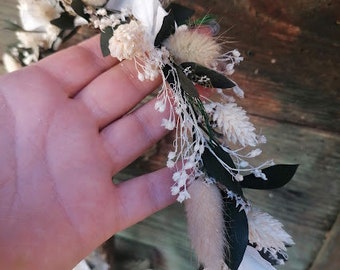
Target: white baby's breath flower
{"points": [[160, 105], [228, 60], [168, 124], [175, 190], [183, 195]]}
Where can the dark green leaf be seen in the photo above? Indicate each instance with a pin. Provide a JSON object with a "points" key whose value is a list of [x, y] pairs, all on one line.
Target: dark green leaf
{"points": [[181, 13], [79, 8], [277, 175], [186, 85], [215, 169], [216, 79], [65, 21], [104, 40], [167, 29], [237, 231]]}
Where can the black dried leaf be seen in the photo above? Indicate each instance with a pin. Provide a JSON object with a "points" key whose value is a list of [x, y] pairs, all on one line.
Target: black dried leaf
{"points": [[168, 75], [278, 258], [186, 85], [277, 175], [167, 29], [104, 40], [215, 169], [79, 8], [65, 21], [237, 231], [181, 13], [199, 72]]}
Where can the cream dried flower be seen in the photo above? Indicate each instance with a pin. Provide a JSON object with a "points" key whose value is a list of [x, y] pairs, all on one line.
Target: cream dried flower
{"points": [[233, 123], [186, 45], [129, 41], [267, 232], [36, 15]]}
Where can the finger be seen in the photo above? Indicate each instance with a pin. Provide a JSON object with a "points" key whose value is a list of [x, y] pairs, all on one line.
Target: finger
{"points": [[73, 68], [130, 136], [115, 92], [141, 197]]}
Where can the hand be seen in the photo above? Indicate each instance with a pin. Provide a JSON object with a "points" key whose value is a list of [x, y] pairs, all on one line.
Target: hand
{"points": [[65, 131]]}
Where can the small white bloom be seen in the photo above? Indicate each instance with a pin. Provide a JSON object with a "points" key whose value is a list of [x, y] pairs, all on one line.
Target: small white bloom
{"points": [[238, 177], [259, 174], [171, 155], [183, 195], [175, 190], [141, 77], [168, 124], [176, 176], [170, 163], [236, 53], [101, 12], [243, 164], [262, 139], [160, 106]]}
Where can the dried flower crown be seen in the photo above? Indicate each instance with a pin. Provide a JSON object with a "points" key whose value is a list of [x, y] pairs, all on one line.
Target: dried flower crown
{"points": [[211, 149]]}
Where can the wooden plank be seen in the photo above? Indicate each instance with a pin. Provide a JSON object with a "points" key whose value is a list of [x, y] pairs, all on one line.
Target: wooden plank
{"points": [[329, 256], [291, 70]]}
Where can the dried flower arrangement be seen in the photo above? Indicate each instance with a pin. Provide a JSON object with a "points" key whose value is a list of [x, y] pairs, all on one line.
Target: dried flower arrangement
{"points": [[210, 156]]}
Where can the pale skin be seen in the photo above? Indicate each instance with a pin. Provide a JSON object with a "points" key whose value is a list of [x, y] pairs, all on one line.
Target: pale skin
{"points": [[65, 131]]}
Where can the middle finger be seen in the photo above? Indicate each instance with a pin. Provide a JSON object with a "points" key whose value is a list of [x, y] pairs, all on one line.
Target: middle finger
{"points": [[115, 92]]}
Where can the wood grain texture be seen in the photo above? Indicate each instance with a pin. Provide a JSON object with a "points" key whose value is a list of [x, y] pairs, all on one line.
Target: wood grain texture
{"points": [[291, 78]]}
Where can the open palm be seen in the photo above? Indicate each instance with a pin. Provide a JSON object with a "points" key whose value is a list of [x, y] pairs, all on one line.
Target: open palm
{"points": [[65, 131]]}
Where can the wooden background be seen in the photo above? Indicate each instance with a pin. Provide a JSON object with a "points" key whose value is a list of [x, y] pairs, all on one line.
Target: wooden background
{"points": [[291, 79]]}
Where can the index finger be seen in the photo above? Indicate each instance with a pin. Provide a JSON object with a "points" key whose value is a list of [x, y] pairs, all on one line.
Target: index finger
{"points": [[78, 65]]}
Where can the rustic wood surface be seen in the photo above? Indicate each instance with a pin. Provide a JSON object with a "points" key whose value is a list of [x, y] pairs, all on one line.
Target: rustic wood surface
{"points": [[291, 79]]}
